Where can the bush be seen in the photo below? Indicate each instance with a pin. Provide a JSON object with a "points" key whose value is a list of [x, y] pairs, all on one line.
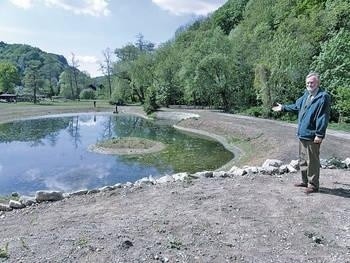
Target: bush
{"points": [[256, 111], [87, 94], [150, 104]]}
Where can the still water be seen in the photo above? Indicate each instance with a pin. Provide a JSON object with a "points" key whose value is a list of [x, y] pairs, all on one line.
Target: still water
{"points": [[51, 153]]}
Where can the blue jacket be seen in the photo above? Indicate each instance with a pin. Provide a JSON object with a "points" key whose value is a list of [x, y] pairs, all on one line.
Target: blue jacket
{"points": [[312, 119]]}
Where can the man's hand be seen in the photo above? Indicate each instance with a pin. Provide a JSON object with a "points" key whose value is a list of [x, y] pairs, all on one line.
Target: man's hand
{"points": [[318, 140], [277, 108]]}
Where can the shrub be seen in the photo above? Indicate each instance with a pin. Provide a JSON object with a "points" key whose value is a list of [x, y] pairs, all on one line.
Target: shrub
{"points": [[87, 94]]}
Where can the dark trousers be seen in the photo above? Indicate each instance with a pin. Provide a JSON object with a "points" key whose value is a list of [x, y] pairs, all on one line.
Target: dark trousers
{"points": [[309, 162]]}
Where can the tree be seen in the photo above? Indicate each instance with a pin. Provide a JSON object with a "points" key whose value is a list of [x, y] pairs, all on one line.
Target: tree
{"points": [[333, 63], [141, 73], [135, 67], [229, 15], [75, 72], [51, 71], [107, 68], [65, 84], [33, 80], [166, 75], [143, 45], [9, 77]]}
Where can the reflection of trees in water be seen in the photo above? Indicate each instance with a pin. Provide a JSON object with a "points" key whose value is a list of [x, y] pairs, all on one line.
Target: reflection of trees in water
{"points": [[107, 129], [33, 131], [184, 151], [74, 130], [133, 126]]}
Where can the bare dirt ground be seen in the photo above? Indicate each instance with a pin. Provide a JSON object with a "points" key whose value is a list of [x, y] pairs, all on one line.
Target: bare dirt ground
{"points": [[248, 218]]}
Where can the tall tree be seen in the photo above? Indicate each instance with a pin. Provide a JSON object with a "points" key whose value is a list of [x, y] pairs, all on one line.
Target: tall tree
{"points": [[107, 68], [33, 80], [9, 77], [75, 72], [333, 63]]}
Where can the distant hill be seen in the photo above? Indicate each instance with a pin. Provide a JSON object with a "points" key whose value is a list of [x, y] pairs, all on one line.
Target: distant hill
{"points": [[22, 55]]}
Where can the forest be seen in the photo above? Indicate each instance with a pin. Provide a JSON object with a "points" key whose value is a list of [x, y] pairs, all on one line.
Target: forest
{"points": [[244, 57]]}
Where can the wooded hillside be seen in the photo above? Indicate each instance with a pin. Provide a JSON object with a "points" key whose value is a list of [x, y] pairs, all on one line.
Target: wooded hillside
{"points": [[246, 56]]}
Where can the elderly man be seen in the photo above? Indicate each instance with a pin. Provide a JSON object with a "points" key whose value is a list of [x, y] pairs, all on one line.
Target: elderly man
{"points": [[313, 114]]}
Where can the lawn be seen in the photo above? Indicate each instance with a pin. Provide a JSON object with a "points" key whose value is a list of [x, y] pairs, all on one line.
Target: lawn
{"points": [[13, 111]]}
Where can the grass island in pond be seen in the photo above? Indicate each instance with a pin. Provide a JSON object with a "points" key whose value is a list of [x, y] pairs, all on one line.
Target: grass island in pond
{"points": [[127, 145]]}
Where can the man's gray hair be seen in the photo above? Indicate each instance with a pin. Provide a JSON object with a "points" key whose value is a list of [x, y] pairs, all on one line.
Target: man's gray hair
{"points": [[314, 74]]}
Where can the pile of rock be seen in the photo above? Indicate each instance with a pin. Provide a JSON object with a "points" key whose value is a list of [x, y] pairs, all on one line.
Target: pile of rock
{"points": [[269, 167], [335, 163]]}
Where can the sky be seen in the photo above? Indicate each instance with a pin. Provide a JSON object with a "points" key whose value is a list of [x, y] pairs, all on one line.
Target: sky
{"points": [[87, 27]]}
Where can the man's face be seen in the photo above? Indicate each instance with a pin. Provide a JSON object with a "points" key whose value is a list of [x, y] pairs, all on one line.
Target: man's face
{"points": [[311, 83]]}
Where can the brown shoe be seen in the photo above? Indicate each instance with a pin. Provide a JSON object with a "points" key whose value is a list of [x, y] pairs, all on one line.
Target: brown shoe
{"points": [[300, 185], [310, 190]]}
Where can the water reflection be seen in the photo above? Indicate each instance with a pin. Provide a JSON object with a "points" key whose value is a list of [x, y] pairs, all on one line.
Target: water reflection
{"points": [[52, 153]]}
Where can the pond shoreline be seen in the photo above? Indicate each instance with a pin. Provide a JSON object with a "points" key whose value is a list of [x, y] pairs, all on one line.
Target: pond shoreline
{"points": [[249, 218]]}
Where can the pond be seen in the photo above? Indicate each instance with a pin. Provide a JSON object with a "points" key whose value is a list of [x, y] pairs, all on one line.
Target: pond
{"points": [[52, 153]]}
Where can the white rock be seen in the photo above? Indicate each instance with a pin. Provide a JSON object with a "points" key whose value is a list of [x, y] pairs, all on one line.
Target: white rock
{"points": [[283, 169], [294, 164], [291, 169], [347, 162], [251, 169], [143, 181], [272, 162], [222, 174], [238, 172], [42, 196], [152, 180], [27, 200], [269, 170], [180, 176], [80, 192], [118, 185], [106, 188], [93, 191], [16, 204], [165, 179], [206, 174], [4, 207], [234, 168], [128, 185]]}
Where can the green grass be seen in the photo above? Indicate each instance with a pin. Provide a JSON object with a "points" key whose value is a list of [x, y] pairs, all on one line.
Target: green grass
{"points": [[14, 111], [340, 126]]}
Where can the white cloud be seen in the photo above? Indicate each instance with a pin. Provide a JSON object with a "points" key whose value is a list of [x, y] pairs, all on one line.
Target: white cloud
{"points": [[25, 4], [79, 7], [91, 64], [197, 7], [87, 59], [82, 7]]}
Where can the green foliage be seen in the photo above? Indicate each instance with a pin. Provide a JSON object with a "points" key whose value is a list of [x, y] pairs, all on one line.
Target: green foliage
{"points": [[166, 75], [229, 15], [87, 94], [256, 111], [215, 80], [342, 96], [9, 77], [38, 71], [150, 104], [333, 63], [22, 55], [33, 80]]}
